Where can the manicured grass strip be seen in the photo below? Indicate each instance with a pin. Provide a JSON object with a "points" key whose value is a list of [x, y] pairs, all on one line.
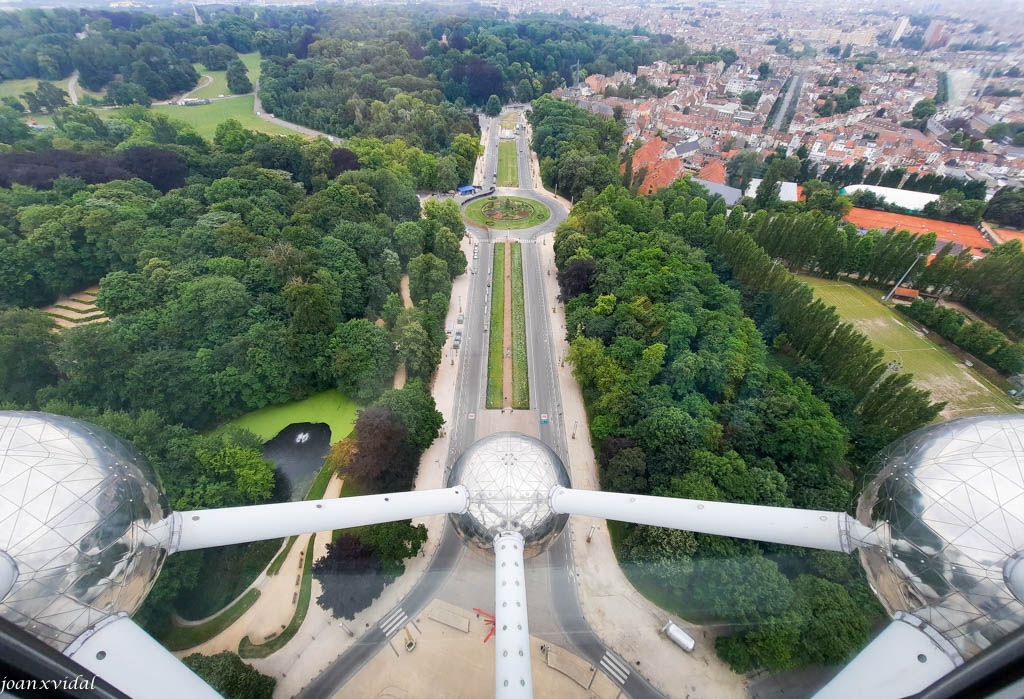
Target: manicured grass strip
{"points": [[75, 310], [495, 351], [537, 213], [508, 170], [275, 567], [182, 637], [248, 649], [520, 372]]}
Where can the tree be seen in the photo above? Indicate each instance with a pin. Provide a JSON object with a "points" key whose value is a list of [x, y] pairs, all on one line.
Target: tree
{"points": [[121, 94], [393, 542], [238, 78], [351, 576], [428, 275], [764, 70], [12, 128], [446, 247], [363, 359], [743, 167], [385, 460], [750, 98], [230, 676], [493, 107], [415, 407], [447, 214], [524, 91], [924, 108], [27, 348]]}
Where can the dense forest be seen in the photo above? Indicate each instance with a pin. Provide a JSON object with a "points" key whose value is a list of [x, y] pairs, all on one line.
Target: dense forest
{"points": [[685, 399], [758, 395], [251, 281]]}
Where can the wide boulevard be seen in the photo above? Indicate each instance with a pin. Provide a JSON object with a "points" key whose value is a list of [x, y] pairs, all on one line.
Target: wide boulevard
{"points": [[455, 574]]}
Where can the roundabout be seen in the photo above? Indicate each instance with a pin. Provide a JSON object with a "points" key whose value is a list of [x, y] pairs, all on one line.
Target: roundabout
{"points": [[507, 212]]}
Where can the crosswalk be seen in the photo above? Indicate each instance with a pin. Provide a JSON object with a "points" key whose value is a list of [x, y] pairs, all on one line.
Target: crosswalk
{"points": [[615, 667], [393, 622]]}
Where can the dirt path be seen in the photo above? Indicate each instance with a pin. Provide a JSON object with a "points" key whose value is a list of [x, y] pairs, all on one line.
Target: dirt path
{"points": [[400, 374], [506, 378], [73, 88], [278, 593]]}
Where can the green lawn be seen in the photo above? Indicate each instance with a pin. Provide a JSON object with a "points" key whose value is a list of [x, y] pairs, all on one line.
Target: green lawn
{"points": [[538, 213], [495, 352], [16, 88], [966, 391], [205, 117], [508, 167], [252, 64], [328, 406], [520, 370], [219, 86]]}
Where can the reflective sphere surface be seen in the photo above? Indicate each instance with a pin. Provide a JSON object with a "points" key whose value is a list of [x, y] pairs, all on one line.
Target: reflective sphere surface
{"points": [[509, 477], [951, 500], [76, 507]]}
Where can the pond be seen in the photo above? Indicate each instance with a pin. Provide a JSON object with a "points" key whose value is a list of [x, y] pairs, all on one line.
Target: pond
{"points": [[298, 451]]}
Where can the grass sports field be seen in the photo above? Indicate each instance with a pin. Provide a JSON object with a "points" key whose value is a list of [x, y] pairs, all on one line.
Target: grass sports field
{"points": [[328, 406], [507, 212], [205, 117], [508, 169], [520, 368], [935, 369], [219, 86], [496, 339]]}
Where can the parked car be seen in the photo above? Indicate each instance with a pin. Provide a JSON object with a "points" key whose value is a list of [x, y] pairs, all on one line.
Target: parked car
{"points": [[462, 318]]}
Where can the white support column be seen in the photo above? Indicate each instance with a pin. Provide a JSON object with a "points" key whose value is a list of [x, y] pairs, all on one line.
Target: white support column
{"points": [[512, 673], [832, 531], [130, 659], [201, 529]]}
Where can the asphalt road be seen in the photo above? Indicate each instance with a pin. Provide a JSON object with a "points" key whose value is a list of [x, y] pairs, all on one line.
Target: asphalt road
{"points": [[555, 608]]}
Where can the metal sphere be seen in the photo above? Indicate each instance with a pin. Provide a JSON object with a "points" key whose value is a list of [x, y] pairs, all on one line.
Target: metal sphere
{"points": [[509, 477], [78, 509], [949, 502]]}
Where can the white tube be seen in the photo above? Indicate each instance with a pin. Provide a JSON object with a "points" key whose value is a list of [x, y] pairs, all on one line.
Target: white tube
{"points": [[512, 677], [200, 529], [781, 525], [128, 658], [906, 657]]}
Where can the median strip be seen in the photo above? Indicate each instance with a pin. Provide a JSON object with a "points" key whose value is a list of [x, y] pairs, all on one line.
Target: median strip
{"points": [[520, 370], [495, 350]]}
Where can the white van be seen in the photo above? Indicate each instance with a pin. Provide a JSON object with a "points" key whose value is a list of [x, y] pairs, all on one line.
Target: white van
{"points": [[679, 637]]}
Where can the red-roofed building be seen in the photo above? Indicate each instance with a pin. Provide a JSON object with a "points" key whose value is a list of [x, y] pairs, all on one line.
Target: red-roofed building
{"points": [[960, 234], [661, 175], [714, 171], [1005, 235]]}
